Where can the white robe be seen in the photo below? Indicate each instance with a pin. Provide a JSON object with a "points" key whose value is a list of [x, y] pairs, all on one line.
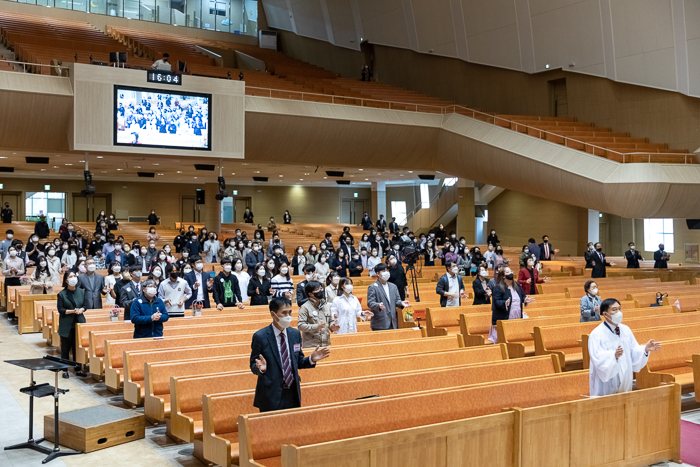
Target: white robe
{"points": [[607, 374]]}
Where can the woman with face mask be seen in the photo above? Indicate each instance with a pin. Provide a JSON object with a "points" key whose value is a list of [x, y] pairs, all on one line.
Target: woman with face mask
{"points": [[482, 292], [156, 275], [528, 278], [346, 308], [281, 283], [229, 249], [509, 301], [287, 218], [148, 312], [238, 270], [464, 261], [524, 255], [152, 235], [315, 320], [101, 218], [259, 286], [397, 275], [499, 259], [70, 256], [112, 222], [43, 278], [440, 235], [312, 254], [161, 259], [114, 275], [298, 261], [70, 309], [492, 239], [590, 303], [322, 267], [373, 260], [450, 253], [477, 259], [332, 286], [339, 263], [203, 235], [364, 242], [430, 253], [211, 248], [152, 218], [53, 259], [355, 267], [271, 225]]}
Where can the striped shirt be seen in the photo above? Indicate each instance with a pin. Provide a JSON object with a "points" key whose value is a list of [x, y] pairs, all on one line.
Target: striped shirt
{"points": [[280, 285]]}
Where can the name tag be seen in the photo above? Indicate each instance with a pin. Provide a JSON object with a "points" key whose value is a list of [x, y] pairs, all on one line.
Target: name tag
{"points": [[297, 347]]}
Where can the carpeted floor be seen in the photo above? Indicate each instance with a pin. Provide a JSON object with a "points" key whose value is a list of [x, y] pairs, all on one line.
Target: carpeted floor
{"points": [[690, 443]]}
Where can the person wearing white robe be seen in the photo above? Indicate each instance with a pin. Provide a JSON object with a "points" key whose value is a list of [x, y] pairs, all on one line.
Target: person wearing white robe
{"points": [[346, 309], [614, 357]]}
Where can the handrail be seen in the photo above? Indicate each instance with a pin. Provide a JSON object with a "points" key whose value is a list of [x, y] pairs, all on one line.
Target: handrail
{"points": [[443, 190], [25, 64]]}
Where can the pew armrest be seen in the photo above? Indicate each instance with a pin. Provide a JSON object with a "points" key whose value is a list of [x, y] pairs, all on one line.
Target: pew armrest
{"points": [[438, 332], [473, 340], [515, 349], [650, 379]]}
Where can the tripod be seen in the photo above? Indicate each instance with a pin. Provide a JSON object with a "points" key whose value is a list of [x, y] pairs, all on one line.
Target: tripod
{"points": [[411, 270]]}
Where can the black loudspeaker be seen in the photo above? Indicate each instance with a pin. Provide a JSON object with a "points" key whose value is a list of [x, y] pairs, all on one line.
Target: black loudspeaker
{"points": [[200, 196], [693, 224]]}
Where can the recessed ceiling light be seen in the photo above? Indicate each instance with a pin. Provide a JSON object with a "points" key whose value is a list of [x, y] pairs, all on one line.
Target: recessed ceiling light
{"points": [[325, 177], [55, 166], [120, 169], [161, 174], [360, 170], [3, 157], [156, 164], [244, 163], [410, 171], [257, 171], [281, 176], [69, 164], [179, 171], [307, 174], [137, 166], [100, 157], [301, 179], [195, 178], [81, 161], [366, 179], [14, 153], [43, 170]]}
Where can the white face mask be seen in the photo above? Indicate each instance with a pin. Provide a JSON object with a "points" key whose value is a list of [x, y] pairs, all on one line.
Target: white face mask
{"points": [[117, 268], [9, 236], [323, 260], [227, 268], [632, 248], [453, 236], [348, 289], [341, 254], [284, 271], [261, 273], [490, 247], [300, 252], [199, 266], [616, 318], [151, 291], [153, 245], [35, 239], [65, 247], [484, 273], [385, 275], [284, 322], [185, 254], [392, 261], [118, 247], [396, 247], [374, 253], [336, 280], [156, 273], [143, 251], [239, 266], [271, 266], [52, 252], [256, 248], [188, 270], [42, 264], [72, 281], [455, 270], [162, 257], [355, 257], [594, 291], [91, 267], [167, 249], [323, 247], [82, 258], [81, 268], [309, 277]]}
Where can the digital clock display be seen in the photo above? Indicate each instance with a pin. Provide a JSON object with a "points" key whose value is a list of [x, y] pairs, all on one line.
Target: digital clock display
{"points": [[164, 77]]}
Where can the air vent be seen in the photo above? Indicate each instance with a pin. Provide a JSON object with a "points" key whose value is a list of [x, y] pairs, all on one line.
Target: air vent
{"points": [[36, 160], [260, 179], [7, 169], [331, 173], [426, 177], [209, 167], [147, 174], [343, 182]]}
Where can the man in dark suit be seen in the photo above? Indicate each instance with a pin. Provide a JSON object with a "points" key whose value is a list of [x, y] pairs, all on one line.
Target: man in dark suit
{"points": [[383, 299], [366, 222], [309, 272], [255, 257], [661, 258], [130, 291], [200, 282], [381, 224], [393, 226], [633, 257], [546, 249], [347, 247], [450, 287], [598, 262], [93, 285], [276, 358], [328, 242], [534, 249]]}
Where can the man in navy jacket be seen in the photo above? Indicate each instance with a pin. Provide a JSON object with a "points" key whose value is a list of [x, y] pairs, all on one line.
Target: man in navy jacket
{"points": [[276, 358], [199, 279], [253, 258], [148, 312]]}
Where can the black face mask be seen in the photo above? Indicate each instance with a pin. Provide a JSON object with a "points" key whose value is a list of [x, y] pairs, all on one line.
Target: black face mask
{"points": [[509, 277], [598, 250], [174, 275], [318, 294]]}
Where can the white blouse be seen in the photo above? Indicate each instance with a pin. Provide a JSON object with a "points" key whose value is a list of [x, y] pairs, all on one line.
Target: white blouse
{"points": [[345, 312], [243, 279], [322, 271]]}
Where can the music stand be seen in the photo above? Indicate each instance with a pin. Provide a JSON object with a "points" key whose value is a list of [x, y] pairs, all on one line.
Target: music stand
{"points": [[42, 390]]}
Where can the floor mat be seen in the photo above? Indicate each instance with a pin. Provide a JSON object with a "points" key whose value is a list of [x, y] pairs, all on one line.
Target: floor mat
{"points": [[690, 443]]}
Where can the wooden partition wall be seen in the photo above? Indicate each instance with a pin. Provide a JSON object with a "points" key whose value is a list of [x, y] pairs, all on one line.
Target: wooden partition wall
{"points": [[630, 429]]}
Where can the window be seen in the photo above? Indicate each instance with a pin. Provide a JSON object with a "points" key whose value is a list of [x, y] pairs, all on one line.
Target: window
{"points": [[424, 196], [657, 231], [52, 205], [450, 181], [398, 210]]}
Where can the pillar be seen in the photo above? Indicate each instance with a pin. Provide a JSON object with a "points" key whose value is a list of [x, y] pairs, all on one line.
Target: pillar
{"points": [[466, 215], [379, 201], [211, 211], [593, 226]]}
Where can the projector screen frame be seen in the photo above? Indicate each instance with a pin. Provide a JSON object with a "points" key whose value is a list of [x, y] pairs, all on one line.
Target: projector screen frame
{"points": [[118, 87]]}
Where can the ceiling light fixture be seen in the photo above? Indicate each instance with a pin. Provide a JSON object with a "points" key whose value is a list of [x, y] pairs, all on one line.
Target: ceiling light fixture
{"points": [[69, 164], [100, 157]]}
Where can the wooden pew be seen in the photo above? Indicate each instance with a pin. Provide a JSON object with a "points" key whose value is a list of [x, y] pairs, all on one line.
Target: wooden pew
{"points": [[157, 399], [517, 334], [262, 443], [565, 340], [672, 363], [443, 321], [204, 417]]}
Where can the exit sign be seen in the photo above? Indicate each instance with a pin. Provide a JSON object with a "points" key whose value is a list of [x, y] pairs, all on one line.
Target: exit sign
{"points": [[235, 192], [354, 195], [47, 187]]}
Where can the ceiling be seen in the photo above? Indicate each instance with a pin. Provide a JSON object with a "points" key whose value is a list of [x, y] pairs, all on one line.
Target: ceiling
{"points": [[125, 167], [652, 43]]}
